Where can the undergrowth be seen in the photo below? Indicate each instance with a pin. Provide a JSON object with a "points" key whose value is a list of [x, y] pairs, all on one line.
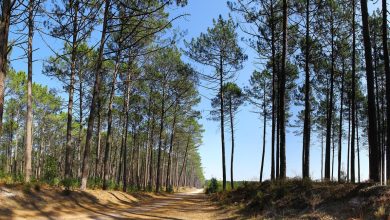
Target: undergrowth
{"points": [[297, 197]]}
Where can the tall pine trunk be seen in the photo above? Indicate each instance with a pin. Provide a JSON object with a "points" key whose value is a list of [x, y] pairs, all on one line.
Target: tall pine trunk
{"points": [[221, 97], [273, 92], [264, 133], [232, 136], [282, 109], [106, 167], [340, 126], [4, 31], [29, 117], [330, 106], [95, 96], [372, 129], [387, 73], [68, 149], [126, 128], [357, 143], [307, 126], [168, 180], [162, 115], [353, 110]]}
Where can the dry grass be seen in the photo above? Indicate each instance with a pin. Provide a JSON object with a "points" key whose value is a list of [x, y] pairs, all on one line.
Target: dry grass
{"points": [[297, 199]]}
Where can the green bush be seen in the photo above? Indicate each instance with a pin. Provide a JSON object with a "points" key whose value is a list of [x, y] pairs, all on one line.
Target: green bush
{"points": [[27, 188], [170, 189], [37, 185], [71, 183], [55, 181], [51, 171], [212, 186]]}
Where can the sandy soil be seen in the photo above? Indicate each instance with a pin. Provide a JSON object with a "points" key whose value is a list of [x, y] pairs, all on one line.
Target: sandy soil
{"points": [[97, 204]]}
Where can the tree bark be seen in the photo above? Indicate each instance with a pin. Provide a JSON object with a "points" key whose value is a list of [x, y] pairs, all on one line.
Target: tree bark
{"points": [[162, 115], [273, 92], [80, 125], [357, 143], [353, 110], [282, 110], [372, 129], [125, 129], [4, 31], [95, 96], [184, 160], [68, 149], [340, 125], [29, 116], [106, 166], [387, 73], [221, 97], [98, 142], [330, 107], [168, 178], [264, 133], [307, 120], [232, 137]]}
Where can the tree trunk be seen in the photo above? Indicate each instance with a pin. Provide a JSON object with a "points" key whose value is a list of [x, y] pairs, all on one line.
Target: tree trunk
{"points": [[184, 160], [372, 129], [232, 136], [273, 92], [98, 142], [333, 147], [95, 96], [307, 126], [376, 90], [282, 110], [124, 132], [106, 166], [264, 133], [221, 97], [357, 142], [151, 152], [168, 179], [340, 125], [81, 90], [387, 73], [330, 108], [322, 155], [349, 153], [126, 127], [29, 117], [4, 31], [68, 148], [160, 137], [353, 110]]}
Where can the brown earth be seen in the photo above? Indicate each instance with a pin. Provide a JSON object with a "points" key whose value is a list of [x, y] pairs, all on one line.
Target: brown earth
{"points": [[16, 203]]}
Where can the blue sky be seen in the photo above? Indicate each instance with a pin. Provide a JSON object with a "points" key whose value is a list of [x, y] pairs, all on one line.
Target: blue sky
{"points": [[248, 133], [248, 125]]}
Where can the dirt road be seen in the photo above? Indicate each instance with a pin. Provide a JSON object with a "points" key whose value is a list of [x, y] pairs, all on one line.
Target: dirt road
{"points": [[190, 205]]}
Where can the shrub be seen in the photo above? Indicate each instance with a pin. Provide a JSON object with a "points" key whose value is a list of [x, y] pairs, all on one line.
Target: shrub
{"points": [[56, 181], [27, 188], [212, 186], [170, 189], [37, 186]]}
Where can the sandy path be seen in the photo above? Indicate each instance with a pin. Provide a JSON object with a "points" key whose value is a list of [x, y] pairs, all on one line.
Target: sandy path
{"points": [[189, 205]]}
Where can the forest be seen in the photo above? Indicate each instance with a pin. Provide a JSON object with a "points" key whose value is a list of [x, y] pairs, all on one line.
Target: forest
{"points": [[126, 119], [123, 112]]}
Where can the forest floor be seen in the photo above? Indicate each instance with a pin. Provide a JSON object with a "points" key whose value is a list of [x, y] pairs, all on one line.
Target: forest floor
{"points": [[304, 199], [51, 203]]}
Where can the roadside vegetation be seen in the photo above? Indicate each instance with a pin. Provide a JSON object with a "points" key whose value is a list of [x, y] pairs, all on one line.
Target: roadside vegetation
{"points": [[305, 199]]}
